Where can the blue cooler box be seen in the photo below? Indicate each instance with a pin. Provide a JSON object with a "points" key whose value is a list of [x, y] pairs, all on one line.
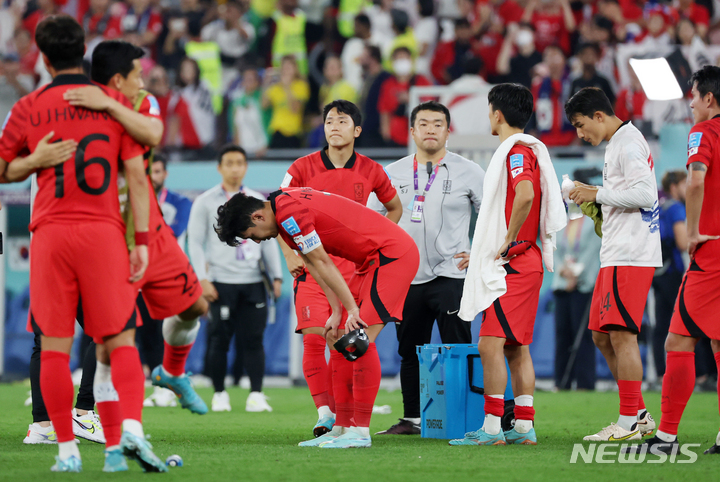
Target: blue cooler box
{"points": [[451, 390]]}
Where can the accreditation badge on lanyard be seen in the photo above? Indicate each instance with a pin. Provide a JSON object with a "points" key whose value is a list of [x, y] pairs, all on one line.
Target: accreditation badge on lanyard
{"points": [[418, 204]]}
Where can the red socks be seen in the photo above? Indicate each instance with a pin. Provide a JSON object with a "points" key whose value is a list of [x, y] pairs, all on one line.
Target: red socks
{"points": [[629, 396], [342, 380], [366, 383], [523, 413], [641, 402], [111, 417], [315, 368], [496, 406], [57, 391], [129, 381], [678, 385], [717, 361], [330, 396], [174, 358]]}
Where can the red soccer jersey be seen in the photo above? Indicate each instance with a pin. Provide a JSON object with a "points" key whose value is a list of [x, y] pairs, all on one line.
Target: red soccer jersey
{"points": [[550, 30], [704, 146], [360, 176], [151, 108], [83, 188], [391, 102], [522, 165], [307, 219]]}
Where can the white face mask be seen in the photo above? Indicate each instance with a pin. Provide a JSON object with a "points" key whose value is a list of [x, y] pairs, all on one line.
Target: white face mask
{"points": [[523, 38], [402, 67]]}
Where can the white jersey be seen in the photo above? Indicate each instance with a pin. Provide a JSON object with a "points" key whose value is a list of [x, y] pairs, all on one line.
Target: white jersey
{"points": [[629, 198]]}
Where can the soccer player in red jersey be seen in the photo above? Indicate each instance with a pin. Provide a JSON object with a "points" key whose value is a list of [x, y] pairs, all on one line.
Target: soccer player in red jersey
{"points": [[77, 205], [319, 224], [170, 286], [340, 170], [508, 321], [698, 302]]}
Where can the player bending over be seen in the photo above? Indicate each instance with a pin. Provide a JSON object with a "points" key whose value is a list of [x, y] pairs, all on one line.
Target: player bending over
{"points": [[317, 225]]}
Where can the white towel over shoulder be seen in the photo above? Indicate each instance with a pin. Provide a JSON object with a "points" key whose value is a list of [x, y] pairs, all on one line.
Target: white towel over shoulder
{"points": [[485, 280]]}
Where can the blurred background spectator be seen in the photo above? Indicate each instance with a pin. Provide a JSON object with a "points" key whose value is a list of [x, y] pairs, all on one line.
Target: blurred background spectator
{"points": [[394, 97], [374, 76], [247, 120], [286, 94]]}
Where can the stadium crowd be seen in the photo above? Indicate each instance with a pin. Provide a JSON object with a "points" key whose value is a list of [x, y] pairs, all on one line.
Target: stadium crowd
{"points": [[257, 72]]}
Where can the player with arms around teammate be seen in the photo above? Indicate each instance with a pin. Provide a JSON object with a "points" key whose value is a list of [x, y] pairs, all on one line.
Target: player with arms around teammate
{"points": [[698, 303], [340, 170], [77, 205], [170, 287], [629, 254], [318, 224], [521, 202]]}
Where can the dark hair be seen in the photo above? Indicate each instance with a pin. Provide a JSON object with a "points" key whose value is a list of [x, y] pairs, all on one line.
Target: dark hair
{"points": [[708, 80], [432, 106], [474, 66], [375, 53], [62, 40], [363, 19], [112, 57], [590, 45], [402, 48], [603, 22], [427, 8], [180, 82], [235, 217], [462, 23], [344, 107], [515, 101], [230, 148], [586, 102], [400, 20], [159, 157], [671, 178]]}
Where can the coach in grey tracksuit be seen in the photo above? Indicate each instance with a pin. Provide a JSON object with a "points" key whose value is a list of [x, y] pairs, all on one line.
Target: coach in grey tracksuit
{"points": [[232, 277], [438, 190]]}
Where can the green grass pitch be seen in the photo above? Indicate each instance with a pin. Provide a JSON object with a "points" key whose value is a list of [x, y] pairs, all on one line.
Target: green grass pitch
{"points": [[240, 446]]}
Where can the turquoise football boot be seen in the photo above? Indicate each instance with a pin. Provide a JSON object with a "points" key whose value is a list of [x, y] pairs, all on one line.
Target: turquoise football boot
{"points": [[182, 387]]}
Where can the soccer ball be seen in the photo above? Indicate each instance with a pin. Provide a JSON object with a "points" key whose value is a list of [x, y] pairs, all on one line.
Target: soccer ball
{"points": [[174, 461]]}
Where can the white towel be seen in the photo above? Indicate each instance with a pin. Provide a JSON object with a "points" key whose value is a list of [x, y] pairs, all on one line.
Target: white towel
{"points": [[485, 280]]}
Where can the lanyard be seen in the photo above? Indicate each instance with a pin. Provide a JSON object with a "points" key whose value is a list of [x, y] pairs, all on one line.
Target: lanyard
{"points": [[161, 196], [430, 179], [228, 195]]}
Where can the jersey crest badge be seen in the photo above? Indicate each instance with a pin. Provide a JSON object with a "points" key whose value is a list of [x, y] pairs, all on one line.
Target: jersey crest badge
{"points": [[291, 226]]}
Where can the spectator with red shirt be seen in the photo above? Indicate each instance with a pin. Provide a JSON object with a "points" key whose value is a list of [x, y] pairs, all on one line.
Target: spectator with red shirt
{"points": [[698, 14], [158, 85], [554, 22], [100, 22], [36, 11], [394, 97], [550, 91], [145, 21], [26, 50], [449, 61]]}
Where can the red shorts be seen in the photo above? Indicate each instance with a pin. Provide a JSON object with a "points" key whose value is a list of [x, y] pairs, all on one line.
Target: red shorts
{"points": [[380, 291], [311, 304], [84, 261], [170, 285], [512, 316], [697, 305], [619, 297]]}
